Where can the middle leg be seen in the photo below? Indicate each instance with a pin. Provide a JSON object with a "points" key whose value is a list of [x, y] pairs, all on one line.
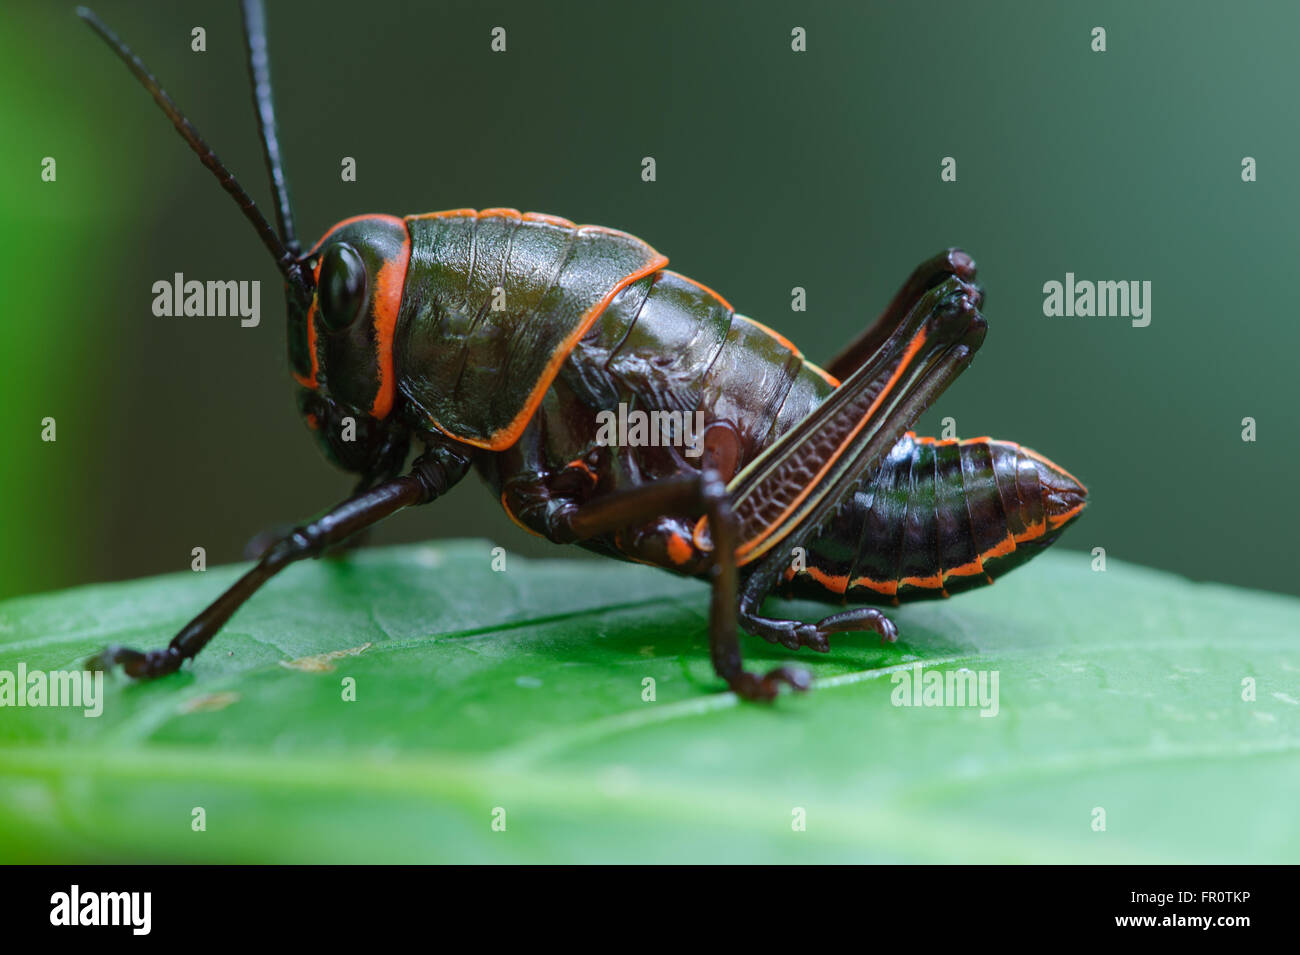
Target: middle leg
{"points": [[704, 495]]}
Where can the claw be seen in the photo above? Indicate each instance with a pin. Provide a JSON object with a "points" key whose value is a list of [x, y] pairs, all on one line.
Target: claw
{"points": [[812, 636], [140, 666], [750, 686], [797, 678], [816, 636], [858, 619], [888, 630], [106, 659]]}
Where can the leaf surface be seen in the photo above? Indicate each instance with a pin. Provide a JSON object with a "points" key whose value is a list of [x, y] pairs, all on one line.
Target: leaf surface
{"points": [[522, 691]]}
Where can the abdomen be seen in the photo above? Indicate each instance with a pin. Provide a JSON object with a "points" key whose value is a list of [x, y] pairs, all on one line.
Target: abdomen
{"points": [[938, 518]]}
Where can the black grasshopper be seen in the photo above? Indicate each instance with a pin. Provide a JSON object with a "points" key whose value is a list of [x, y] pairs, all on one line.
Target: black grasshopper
{"points": [[504, 341]]}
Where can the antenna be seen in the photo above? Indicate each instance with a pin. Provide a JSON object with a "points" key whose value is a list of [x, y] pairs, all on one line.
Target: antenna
{"points": [[259, 71], [286, 258]]}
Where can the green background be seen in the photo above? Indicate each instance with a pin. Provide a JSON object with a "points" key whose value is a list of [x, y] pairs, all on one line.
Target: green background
{"points": [[775, 169]]}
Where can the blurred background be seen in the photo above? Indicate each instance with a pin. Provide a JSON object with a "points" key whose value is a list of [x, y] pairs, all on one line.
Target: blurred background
{"points": [[775, 169]]}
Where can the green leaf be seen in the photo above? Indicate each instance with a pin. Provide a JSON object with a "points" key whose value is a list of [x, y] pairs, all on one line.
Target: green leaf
{"points": [[1120, 690]]}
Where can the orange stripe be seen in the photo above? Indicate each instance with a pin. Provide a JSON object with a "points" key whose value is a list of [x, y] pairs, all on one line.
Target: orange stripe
{"points": [[348, 221], [1051, 464], [548, 219], [447, 214], [505, 437], [580, 463], [834, 583], [624, 555], [821, 372], [1051, 523], [526, 217], [913, 347], [1058, 520], [389, 285], [498, 213], [963, 442], [887, 587], [775, 334], [1034, 530], [933, 582], [816, 369], [530, 217], [701, 285], [936, 442], [970, 569], [1000, 549], [518, 523], [679, 551], [312, 381]]}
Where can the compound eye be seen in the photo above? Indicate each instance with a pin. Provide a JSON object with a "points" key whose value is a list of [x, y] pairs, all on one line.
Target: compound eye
{"points": [[342, 286]]}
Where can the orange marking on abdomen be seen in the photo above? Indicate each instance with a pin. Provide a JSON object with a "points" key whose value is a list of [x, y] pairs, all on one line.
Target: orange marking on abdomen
{"points": [[1034, 530], [970, 569], [887, 587], [1000, 549], [834, 583], [1059, 519], [933, 582], [937, 442], [1030, 453]]}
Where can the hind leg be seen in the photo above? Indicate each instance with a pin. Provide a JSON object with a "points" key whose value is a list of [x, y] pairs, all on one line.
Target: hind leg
{"points": [[927, 275], [797, 483]]}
